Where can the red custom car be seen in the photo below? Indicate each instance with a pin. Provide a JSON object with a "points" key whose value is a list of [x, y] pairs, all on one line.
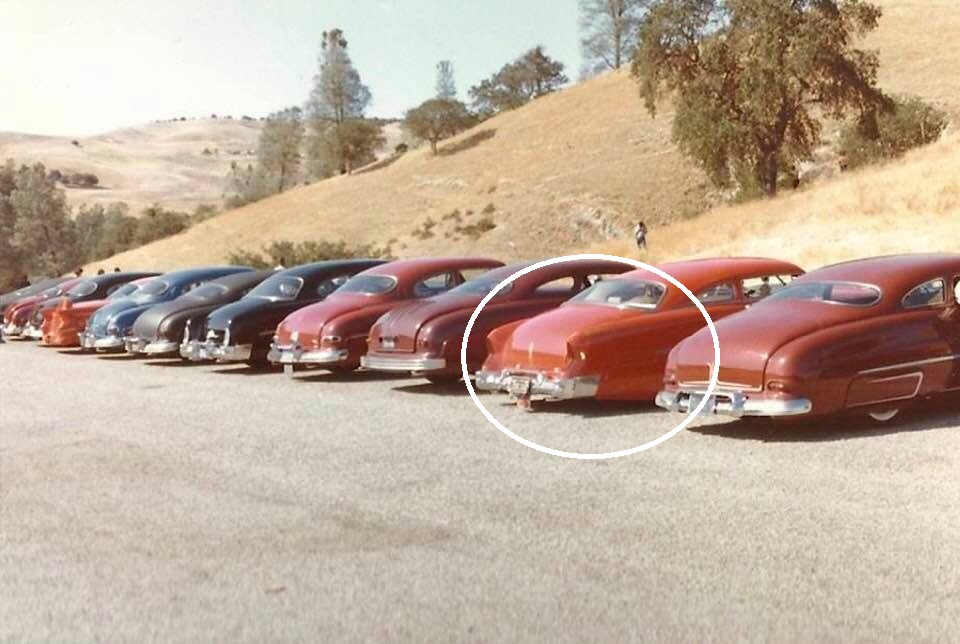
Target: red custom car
{"points": [[333, 334], [63, 325], [611, 341], [870, 336], [17, 314], [425, 338]]}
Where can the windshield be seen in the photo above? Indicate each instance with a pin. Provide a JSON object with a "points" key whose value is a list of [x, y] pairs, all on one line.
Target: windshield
{"points": [[151, 290], [624, 293], [281, 287], [84, 288], [208, 291], [51, 292], [124, 291], [368, 284], [481, 287], [847, 293]]}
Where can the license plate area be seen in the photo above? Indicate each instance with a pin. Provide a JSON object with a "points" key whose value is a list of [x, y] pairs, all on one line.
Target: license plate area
{"points": [[520, 386], [708, 408], [388, 343]]}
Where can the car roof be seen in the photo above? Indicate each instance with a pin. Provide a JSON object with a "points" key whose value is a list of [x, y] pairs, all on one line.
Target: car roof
{"points": [[703, 272], [408, 267], [304, 270], [243, 280], [894, 274]]}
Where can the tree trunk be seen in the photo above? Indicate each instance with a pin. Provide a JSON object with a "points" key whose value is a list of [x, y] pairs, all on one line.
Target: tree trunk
{"points": [[433, 146], [768, 171]]}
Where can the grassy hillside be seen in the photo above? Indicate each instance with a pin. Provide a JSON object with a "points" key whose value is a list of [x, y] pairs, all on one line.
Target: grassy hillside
{"points": [[573, 170], [157, 163]]}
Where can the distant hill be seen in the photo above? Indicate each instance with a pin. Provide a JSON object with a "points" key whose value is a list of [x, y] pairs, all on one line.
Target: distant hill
{"points": [[177, 164], [575, 169], [160, 163]]}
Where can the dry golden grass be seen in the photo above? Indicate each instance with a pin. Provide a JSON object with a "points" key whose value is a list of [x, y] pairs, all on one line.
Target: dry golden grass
{"points": [[156, 163], [574, 170]]}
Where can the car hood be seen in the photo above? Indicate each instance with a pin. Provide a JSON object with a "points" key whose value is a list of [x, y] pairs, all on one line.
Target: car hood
{"points": [[15, 308], [122, 312], [176, 313], [749, 339]]}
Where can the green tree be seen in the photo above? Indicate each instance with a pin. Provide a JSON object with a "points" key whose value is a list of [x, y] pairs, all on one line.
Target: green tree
{"points": [[446, 82], [343, 147], [517, 83], [339, 138], [750, 76], [11, 265], [438, 119], [43, 233], [610, 30], [278, 149], [157, 223], [119, 231], [910, 124]]}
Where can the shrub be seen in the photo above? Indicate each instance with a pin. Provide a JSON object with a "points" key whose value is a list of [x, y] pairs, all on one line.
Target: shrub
{"points": [[910, 124], [477, 230], [288, 253]]}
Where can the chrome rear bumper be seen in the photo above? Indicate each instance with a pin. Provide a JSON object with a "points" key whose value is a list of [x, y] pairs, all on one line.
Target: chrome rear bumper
{"points": [[161, 348], [295, 354], [108, 343], [11, 330], [537, 384], [198, 351], [32, 333], [733, 403], [135, 346], [404, 363]]}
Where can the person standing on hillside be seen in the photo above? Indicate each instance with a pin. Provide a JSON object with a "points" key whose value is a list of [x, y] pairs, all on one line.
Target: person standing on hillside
{"points": [[640, 235]]}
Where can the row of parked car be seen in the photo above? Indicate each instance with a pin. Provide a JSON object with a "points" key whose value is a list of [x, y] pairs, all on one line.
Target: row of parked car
{"points": [[870, 336]]}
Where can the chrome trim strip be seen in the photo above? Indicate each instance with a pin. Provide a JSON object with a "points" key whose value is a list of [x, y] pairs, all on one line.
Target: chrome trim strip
{"points": [[916, 363], [721, 386]]}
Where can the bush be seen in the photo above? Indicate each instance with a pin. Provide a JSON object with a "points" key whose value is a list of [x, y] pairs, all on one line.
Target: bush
{"points": [[911, 124], [288, 253]]}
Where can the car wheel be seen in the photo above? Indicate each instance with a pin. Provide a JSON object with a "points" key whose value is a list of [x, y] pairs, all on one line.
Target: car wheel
{"points": [[884, 416]]}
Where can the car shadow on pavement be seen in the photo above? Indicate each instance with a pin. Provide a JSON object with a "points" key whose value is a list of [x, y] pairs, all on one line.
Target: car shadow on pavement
{"points": [[936, 415], [171, 362], [339, 376], [74, 352], [588, 407], [126, 357], [245, 370], [444, 389]]}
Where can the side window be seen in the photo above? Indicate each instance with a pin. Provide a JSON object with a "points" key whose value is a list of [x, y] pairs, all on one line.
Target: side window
{"points": [[717, 294], [561, 286], [757, 288], [114, 288], [435, 284], [927, 294], [326, 287]]}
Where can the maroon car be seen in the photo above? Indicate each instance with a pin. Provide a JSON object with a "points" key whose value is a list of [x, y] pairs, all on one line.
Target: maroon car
{"points": [[425, 338], [870, 336]]}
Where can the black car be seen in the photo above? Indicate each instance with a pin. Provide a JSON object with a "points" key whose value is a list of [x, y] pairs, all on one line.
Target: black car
{"points": [[159, 331], [242, 331], [99, 287]]}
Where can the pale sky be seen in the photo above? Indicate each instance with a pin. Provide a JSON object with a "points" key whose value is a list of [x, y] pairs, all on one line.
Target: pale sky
{"points": [[81, 67]]}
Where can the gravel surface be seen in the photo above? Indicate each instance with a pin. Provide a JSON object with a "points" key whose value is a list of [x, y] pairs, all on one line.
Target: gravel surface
{"points": [[145, 500]]}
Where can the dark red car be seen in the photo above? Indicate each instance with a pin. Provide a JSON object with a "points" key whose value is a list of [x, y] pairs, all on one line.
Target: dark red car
{"points": [[332, 334], [425, 338]]}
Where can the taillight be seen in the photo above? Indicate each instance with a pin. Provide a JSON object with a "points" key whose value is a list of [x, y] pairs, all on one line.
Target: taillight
{"points": [[670, 377]]}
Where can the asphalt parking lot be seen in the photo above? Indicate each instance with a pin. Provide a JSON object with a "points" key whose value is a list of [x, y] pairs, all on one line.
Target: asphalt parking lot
{"points": [[149, 500]]}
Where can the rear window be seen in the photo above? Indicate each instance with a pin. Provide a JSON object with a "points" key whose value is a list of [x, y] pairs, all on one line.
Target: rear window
{"points": [[847, 293], [208, 291], [152, 289], [369, 284], [624, 293], [281, 287], [124, 291], [83, 289]]}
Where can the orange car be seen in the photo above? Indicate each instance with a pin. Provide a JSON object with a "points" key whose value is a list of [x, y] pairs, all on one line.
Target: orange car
{"points": [[63, 324]]}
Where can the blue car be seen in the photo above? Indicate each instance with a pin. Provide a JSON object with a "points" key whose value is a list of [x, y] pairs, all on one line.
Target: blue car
{"points": [[108, 327]]}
